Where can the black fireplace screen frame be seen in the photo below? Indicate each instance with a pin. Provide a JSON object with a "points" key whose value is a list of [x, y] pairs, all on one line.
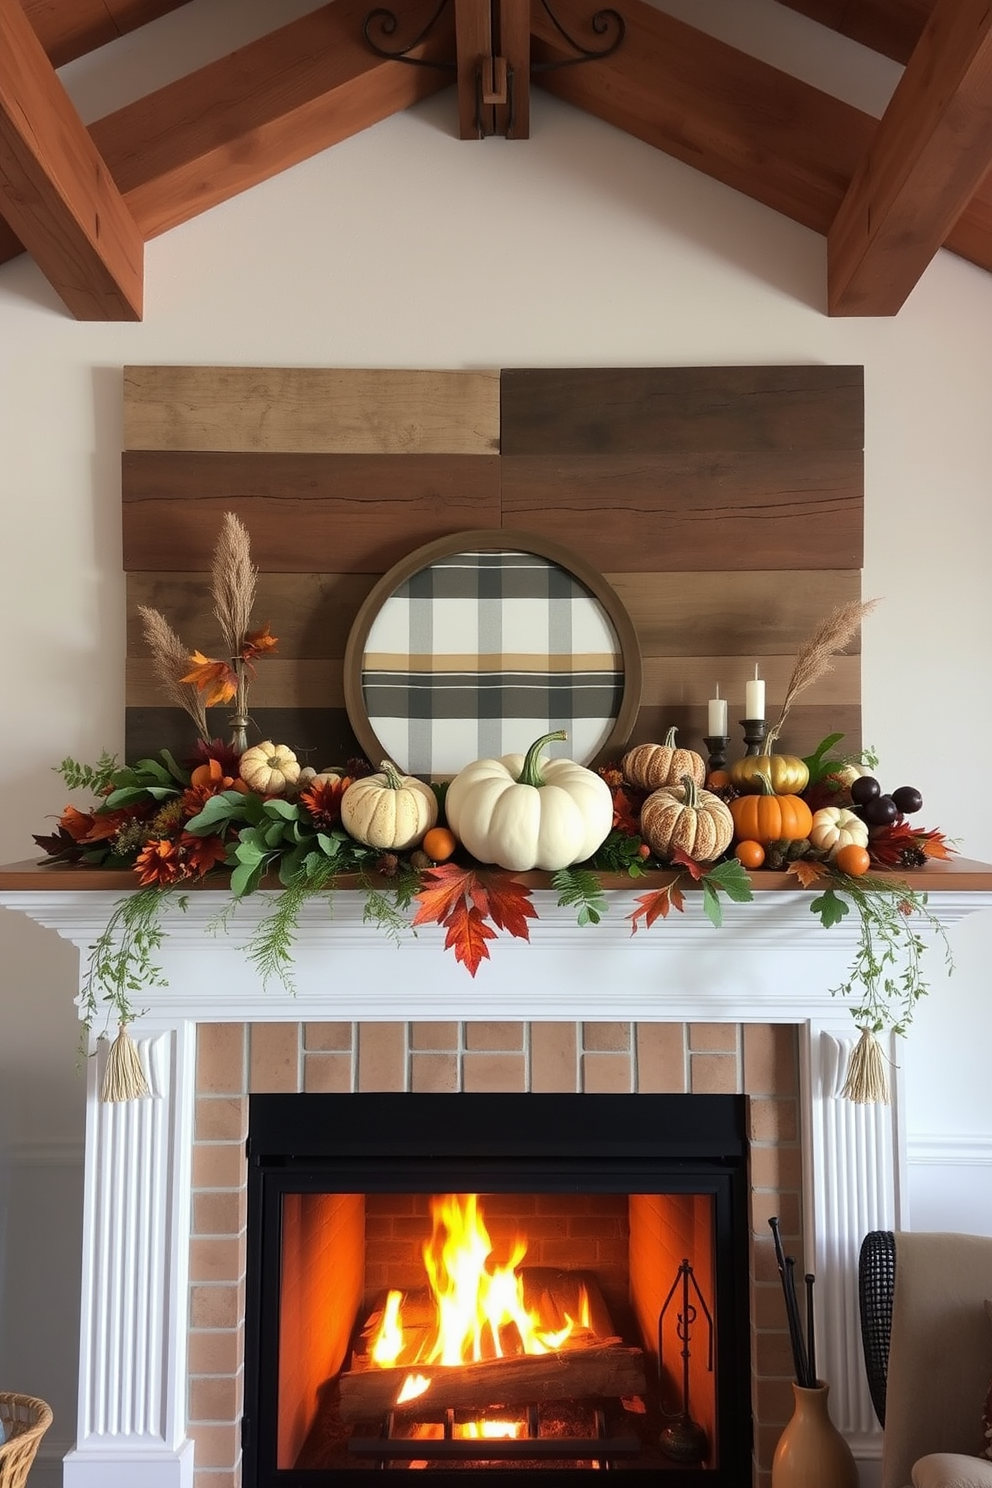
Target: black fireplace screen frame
{"points": [[414, 1143]]}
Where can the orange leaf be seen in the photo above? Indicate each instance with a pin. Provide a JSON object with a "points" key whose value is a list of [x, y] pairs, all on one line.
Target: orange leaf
{"points": [[257, 642], [935, 845], [656, 905], [697, 870], [467, 935], [509, 903], [807, 871], [441, 889], [214, 678]]}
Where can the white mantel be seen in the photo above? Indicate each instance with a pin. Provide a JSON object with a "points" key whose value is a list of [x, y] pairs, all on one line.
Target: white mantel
{"points": [[771, 961]]}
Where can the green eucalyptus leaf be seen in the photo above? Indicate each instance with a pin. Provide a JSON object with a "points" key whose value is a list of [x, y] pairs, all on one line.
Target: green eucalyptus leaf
{"points": [[223, 807], [246, 878], [329, 846], [286, 810], [152, 767], [133, 795]]}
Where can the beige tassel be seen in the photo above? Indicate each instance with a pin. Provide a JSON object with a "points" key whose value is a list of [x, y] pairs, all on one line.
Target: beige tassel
{"points": [[123, 1078], [867, 1082]]}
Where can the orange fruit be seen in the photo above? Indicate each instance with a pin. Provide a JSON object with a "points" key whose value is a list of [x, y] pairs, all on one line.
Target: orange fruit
{"points": [[716, 780], [439, 844], [852, 859], [750, 854]]}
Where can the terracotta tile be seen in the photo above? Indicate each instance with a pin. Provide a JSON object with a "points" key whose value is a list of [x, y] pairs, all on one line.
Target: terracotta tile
{"points": [[661, 1059], [437, 1072], [493, 1072], [220, 1058], [222, 1213], [769, 1306], [713, 1074], [216, 1306], [772, 1120], [274, 1059], [219, 1164], [328, 1073], [216, 1350], [328, 1036], [221, 1118], [382, 1056], [777, 1166], [771, 1355], [767, 1203], [713, 1037], [606, 1074], [771, 1059], [509, 1036], [215, 1397], [437, 1036], [217, 1258], [775, 1401], [605, 1037], [552, 1058], [216, 1446]]}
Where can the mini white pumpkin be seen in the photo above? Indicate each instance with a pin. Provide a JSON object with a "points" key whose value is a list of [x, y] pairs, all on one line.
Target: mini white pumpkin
{"points": [[526, 811], [835, 827], [269, 768], [388, 810]]}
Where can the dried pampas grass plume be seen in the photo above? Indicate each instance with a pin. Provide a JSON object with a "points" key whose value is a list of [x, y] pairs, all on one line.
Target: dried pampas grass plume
{"points": [[815, 657], [170, 660], [234, 580]]}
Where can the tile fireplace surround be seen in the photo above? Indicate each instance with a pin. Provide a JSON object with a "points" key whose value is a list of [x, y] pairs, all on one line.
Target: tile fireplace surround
{"points": [[682, 1008]]}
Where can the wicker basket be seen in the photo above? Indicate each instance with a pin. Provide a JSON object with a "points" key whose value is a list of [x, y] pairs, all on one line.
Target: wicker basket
{"points": [[25, 1421]]}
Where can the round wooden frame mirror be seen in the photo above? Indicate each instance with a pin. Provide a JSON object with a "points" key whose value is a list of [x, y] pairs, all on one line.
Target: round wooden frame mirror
{"points": [[476, 644]]}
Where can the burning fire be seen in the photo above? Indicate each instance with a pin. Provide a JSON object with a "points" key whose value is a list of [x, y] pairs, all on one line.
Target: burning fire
{"points": [[479, 1307]]}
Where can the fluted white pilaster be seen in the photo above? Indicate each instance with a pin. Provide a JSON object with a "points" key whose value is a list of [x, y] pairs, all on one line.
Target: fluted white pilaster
{"points": [[131, 1426]]}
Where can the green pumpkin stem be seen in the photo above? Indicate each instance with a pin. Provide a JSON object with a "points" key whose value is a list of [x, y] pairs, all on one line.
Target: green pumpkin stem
{"points": [[530, 773], [670, 737], [765, 776], [691, 792], [394, 780]]}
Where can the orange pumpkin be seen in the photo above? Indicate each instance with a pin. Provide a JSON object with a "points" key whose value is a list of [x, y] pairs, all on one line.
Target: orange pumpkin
{"points": [[770, 818]]}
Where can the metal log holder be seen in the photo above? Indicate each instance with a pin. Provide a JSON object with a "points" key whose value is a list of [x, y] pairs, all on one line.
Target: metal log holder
{"points": [[599, 1448], [684, 1440]]}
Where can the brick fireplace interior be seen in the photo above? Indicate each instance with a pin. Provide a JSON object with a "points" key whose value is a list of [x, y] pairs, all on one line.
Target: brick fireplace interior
{"points": [[757, 1062]]}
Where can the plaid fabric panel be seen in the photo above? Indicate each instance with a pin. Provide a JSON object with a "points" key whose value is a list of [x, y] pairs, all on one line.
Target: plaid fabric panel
{"points": [[481, 653]]}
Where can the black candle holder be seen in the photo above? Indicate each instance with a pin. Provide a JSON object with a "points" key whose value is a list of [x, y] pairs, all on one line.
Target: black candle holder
{"points": [[755, 730], [717, 746]]}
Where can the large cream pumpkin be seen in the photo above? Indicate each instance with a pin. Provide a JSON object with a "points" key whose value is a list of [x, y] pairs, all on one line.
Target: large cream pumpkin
{"points": [[527, 811]]}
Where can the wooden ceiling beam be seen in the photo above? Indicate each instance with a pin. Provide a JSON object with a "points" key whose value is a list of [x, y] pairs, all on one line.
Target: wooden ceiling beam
{"points": [[68, 29], [892, 27], [277, 101], [754, 128], [931, 152], [57, 194]]}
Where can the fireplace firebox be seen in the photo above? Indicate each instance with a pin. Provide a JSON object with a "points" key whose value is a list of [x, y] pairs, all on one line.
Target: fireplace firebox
{"points": [[521, 1284]]}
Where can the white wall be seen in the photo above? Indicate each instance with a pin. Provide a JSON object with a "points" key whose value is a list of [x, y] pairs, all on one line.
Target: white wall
{"points": [[406, 247]]}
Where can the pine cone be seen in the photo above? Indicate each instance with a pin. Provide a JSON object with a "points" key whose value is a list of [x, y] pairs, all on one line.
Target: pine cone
{"points": [[913, 857], [388, 865]]}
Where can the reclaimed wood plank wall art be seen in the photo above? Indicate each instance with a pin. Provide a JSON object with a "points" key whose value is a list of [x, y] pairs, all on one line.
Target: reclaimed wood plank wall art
{"points": [[723, 504]]}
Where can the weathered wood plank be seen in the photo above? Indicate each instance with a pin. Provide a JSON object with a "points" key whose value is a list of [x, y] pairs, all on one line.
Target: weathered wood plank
{"points": [[277, 684], [668, 410], [339, 513], [746, 613], [311, 410], [311, 614], [694, 511], [320, 736]]}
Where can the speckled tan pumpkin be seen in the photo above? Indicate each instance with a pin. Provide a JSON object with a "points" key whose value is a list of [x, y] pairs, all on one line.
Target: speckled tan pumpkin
{"points": [[683, 816], [651, 766], [269, 768], [388, 810]]}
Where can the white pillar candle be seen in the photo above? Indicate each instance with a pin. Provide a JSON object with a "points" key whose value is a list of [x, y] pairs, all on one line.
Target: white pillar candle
{"points": [[754, 697], [717, 713]]}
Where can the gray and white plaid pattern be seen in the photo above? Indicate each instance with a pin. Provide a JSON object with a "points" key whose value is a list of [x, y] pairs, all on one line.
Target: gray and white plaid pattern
{"points": [[481, 653]]}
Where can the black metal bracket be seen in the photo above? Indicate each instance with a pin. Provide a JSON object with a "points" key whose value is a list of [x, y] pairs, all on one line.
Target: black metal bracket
{"points": [[603, 23]]}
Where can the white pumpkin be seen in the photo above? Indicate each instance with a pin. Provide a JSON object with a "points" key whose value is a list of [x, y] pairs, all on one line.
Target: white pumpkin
{"points": [[388, 810], [526, 811], [835, 827], [269, 768]]}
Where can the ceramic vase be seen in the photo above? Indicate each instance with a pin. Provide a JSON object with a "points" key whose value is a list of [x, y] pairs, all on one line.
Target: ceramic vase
{"points": [[811, 1452]]}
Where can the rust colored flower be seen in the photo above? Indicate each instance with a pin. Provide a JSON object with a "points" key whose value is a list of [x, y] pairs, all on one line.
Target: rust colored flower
{"points": [[257, 643], [216, 749], [159, 862], [200, 854], [627, 811], [206, 780], [323, 801], [217, 680]]}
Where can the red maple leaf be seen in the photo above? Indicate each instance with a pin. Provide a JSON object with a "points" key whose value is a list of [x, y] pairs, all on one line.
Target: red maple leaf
{"points": [[464, 900], [467, 935], [441, 889], [509, 904], [656, 905], [697, 870]]}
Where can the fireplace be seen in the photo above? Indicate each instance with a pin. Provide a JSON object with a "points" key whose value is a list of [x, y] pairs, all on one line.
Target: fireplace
{"points": [[565, 1277]]}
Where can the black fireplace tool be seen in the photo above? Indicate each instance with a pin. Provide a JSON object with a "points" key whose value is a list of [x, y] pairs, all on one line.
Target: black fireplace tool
{"points": [[803, 1348], [684, 1440]]}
